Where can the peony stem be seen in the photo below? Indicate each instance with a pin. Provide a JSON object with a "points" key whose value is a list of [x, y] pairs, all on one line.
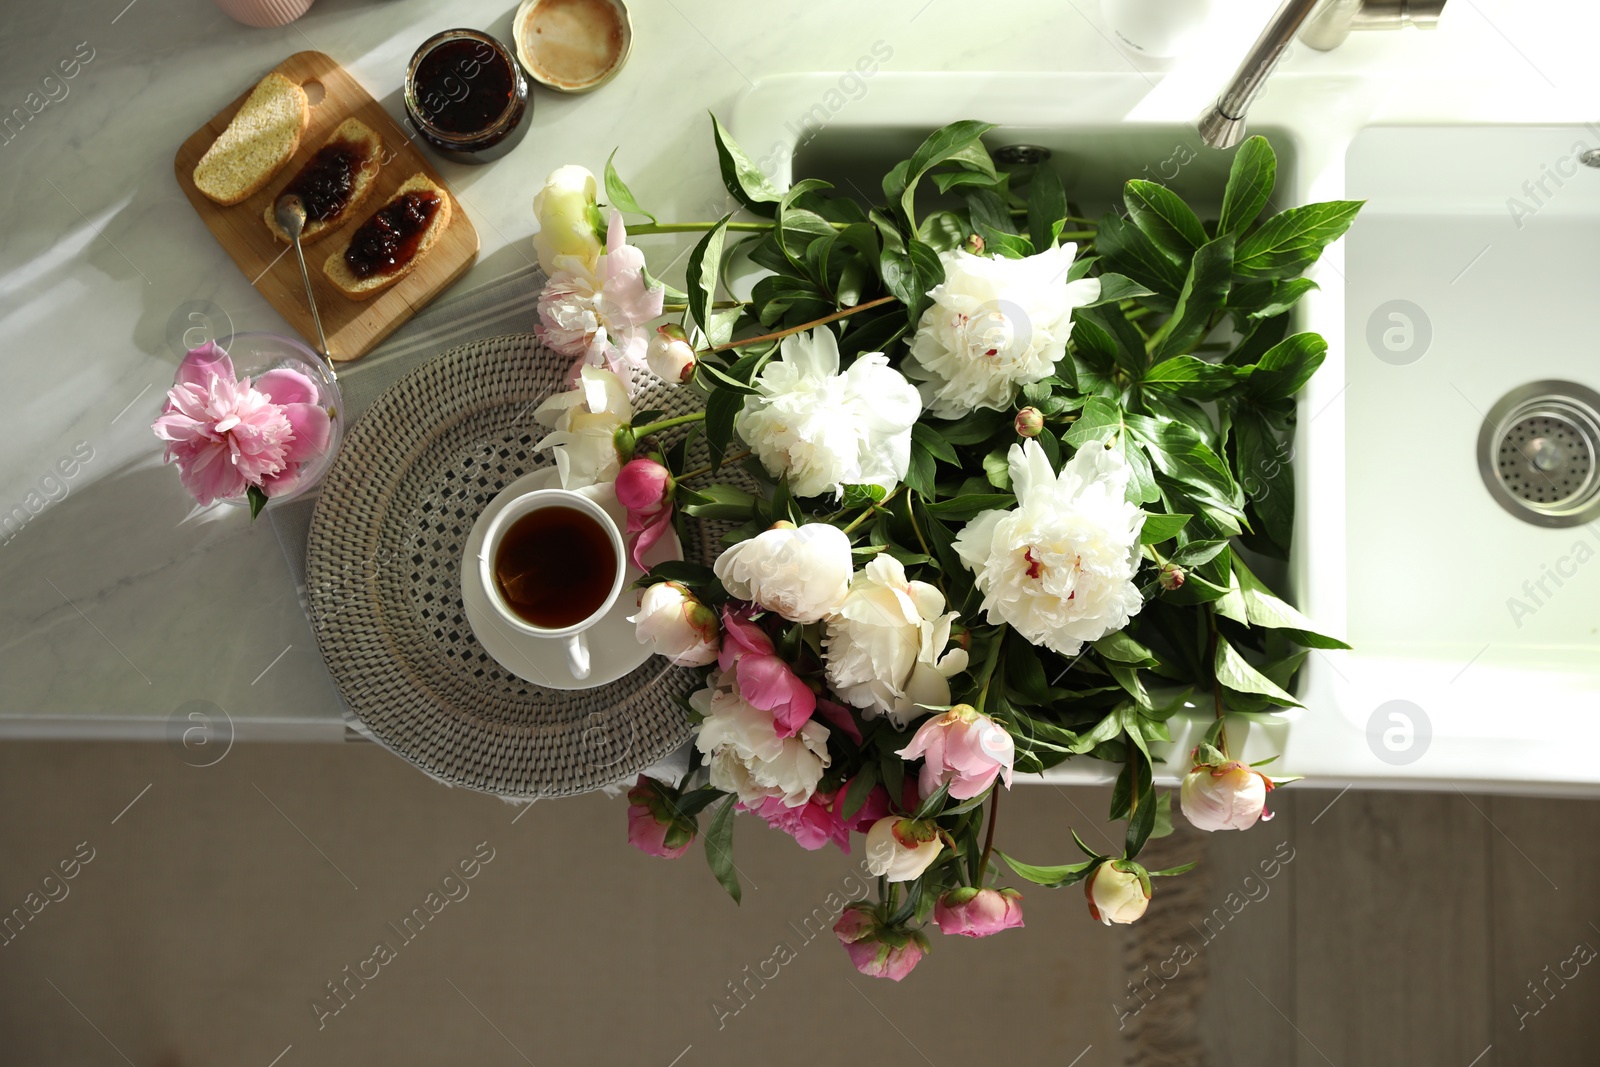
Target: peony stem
{"points": [[720, 305], [988, 838], [708, 468], [871, 509], [667, 424], [696, 227], [1216, 683], [843, 313]]}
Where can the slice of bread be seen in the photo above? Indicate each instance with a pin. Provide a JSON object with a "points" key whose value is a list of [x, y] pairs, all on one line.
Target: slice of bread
{"points": [[368, 147], [356, 288], [260, 139]]}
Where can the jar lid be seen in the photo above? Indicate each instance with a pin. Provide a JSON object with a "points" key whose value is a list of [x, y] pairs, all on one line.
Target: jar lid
{"points": [[572, 46]]}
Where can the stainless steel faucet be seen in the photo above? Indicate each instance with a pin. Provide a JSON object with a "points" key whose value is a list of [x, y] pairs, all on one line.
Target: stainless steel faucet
{"points": [[1322, 24]]}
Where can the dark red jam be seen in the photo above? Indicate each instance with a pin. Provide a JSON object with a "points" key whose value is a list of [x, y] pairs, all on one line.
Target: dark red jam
{"points": [[463, 86], [327, 181], [387, 241]]}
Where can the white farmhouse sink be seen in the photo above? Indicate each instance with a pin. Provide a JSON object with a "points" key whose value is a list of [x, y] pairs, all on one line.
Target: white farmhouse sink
{"points": [[1399, 544], [1468, 278]]}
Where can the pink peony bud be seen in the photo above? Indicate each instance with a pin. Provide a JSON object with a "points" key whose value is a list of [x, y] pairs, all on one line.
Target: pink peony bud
{"points": [[963, 747], [644, 488], [975, 244], [972, 912], [652, 827], [1171, 577], [670, 356], [878, 951], [1227, 796], [1029, 422], [677, 625], [643, 485], [1116, 895]]}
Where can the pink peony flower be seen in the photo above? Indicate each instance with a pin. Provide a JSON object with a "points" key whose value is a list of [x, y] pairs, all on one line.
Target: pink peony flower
{"points": [[652, 828], [764, 679], [598, 316], [226, 434], [644, 488], [970, 912], [812, 824], [878, 951], [818, 821], [963, 747]]}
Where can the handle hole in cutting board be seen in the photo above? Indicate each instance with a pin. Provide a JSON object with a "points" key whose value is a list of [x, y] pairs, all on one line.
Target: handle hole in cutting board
{"points": [[314, 92]]}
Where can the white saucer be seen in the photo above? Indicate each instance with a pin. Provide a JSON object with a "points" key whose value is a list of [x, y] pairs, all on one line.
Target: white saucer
{"points": [[614, 649]]}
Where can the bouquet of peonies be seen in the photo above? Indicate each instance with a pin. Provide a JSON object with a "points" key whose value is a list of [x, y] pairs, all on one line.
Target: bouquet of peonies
{"points": [[1009, 460]]}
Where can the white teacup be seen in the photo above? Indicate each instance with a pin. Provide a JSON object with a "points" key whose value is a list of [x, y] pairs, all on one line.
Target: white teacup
{"points": [[572, 635]]}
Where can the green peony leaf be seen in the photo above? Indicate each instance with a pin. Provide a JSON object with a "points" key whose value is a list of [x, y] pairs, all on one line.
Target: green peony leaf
{"points": [[1283, 370], [705, 264], [1205, 288], [257, 499], [719, 848], [1292, 240], [1164, 217], [1053, 877], [744, 180], [618, 193], [1158, 527], [1250, 181], [1131, 251], [1264, 609], [1234, 672], [956, 143], [1047, 205]]}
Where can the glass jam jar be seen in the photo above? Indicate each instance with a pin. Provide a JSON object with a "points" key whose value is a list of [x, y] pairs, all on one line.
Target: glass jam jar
{"points": [[466, 96]]}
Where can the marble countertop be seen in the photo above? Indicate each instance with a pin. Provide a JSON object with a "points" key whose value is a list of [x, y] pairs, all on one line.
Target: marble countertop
{"points": [[116, 611]]}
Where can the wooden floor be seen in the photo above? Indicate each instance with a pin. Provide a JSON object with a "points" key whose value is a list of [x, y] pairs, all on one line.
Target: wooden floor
{"points": [[218, 904]]}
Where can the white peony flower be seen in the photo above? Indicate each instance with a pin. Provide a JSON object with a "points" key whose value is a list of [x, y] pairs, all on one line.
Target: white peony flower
{"points": [[563, 218], [800, 572], [995, 323], [1059, 567], [746, 756], [1227, 796], [885, 648], [827, 430], [675, 624], [900, 858], [584, 422]]}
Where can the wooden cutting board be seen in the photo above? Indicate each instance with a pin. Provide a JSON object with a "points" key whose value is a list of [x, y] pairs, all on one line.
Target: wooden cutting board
{"points": [[353, 326]]}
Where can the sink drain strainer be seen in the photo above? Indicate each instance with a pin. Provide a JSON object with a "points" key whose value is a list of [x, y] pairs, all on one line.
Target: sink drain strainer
{"points": [[1538, 452]]}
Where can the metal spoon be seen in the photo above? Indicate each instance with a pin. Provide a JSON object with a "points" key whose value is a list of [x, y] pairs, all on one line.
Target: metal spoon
{"points": [[290, 212]]}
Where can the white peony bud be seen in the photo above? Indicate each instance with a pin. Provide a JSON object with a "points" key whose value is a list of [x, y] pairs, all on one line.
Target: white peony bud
{"points": [[564, 212], [800, 572], [900, 849], [670, 355], [677, 626], [1116, 896], [1229, 796]]}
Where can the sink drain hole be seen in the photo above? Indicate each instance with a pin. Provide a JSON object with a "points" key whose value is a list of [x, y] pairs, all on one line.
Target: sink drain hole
{"points": [[1538, 450]]}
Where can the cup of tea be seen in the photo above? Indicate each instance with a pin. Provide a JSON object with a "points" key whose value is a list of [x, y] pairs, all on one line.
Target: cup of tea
{"points": [[552, 564]]}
